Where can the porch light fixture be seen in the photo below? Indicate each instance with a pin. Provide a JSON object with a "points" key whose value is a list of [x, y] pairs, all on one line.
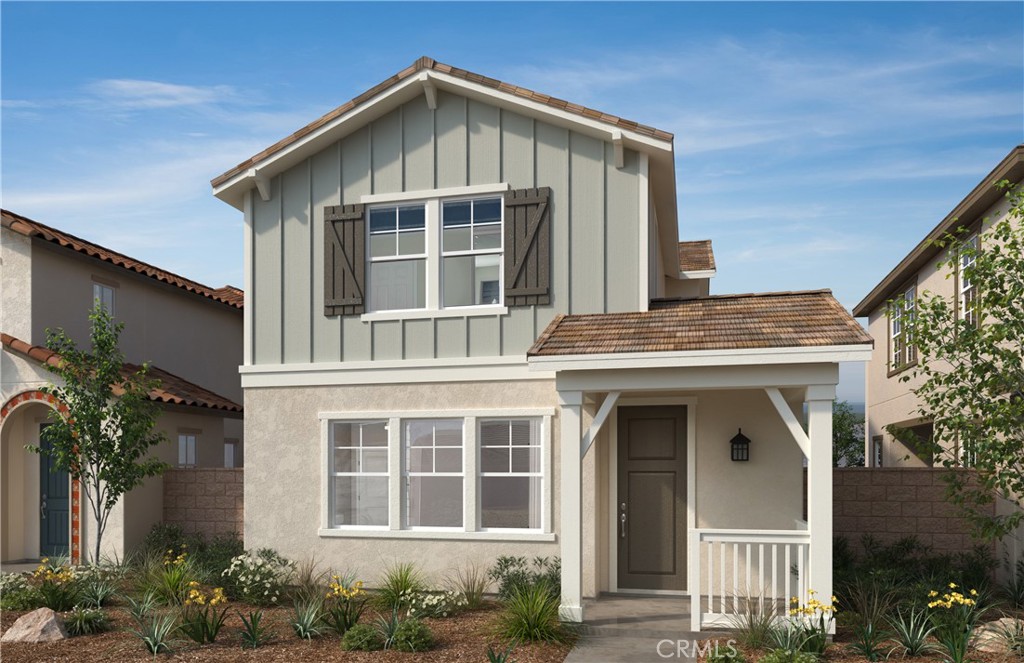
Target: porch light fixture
{"points": [[740, 446]]}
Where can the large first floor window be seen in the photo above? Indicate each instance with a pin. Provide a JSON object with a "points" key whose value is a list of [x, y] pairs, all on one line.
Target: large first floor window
{"points": [[468, 473]]}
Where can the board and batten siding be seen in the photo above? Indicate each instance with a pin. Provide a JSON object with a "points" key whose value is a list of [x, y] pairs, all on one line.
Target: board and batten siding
{"points": [[595, 230]]}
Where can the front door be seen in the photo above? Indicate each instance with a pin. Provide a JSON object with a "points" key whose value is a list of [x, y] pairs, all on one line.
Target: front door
{"points": [[54, 498], [651, 506]]}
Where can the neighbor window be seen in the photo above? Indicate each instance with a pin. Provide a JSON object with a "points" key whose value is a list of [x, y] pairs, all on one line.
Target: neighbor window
{"points": [[186, 449], [433, 473], [359, 474], [104, 296], [968, 289], [901, 316], [230, 448], [437, 253], [876, 451], [510, 474]]}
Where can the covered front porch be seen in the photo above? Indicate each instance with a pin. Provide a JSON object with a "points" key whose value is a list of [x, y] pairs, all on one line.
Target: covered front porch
{"points": [[659, 493]]}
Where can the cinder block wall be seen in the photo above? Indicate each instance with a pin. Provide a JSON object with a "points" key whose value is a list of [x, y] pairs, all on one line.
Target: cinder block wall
{"points": [[204, 500], [892, 503]]}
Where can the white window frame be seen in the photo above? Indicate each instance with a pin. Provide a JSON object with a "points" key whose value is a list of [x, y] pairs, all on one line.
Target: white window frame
{"points": [[332, 474], [471, 252], [966, 288], [902, 352], [481, 474], [408, 474], [398, 257], [190, 439], [99, 293], [470, 470], [432, 200]]}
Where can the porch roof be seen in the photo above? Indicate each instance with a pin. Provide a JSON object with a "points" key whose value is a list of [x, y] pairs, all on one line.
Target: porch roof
{"points": [[172, 390], [808, 319]]}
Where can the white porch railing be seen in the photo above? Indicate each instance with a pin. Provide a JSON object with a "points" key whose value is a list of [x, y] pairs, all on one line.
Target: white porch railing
{"points": [[729, 567]]}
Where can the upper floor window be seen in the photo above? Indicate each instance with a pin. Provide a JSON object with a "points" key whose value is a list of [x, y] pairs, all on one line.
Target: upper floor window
{"points": [[902, 351], [104, 295], [435, 254], [186, 450], [968, 295]]}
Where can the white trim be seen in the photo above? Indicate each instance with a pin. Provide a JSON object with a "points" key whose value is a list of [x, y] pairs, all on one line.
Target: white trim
{"points": [[448, 192], [247, 311], [598, 421], [644, 241], [697, 274], [262, 183], [487, 535], [428, 90], [653, 592], [788, 355], [425, 314], [788, 418], [508, 413], [620, 150]]}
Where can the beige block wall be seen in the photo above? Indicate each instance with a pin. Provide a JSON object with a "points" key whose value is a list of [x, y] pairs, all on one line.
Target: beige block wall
{"points": [[207, 501], [889, 400]]}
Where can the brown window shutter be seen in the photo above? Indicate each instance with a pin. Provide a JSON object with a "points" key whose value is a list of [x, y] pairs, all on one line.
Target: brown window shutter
{"points": [[528, 247], [344, 260]]}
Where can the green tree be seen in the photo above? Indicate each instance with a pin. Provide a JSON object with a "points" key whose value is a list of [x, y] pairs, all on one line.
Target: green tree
{"points": [[972, 373], [847, 436], [104, 437]]}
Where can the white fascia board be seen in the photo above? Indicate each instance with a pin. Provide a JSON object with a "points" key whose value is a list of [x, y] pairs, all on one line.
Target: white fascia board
{"points": [[759, 356], [697, 274], [471, 369], [449, 192]]}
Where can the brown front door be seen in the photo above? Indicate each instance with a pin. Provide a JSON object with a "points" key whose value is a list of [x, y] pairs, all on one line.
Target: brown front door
{"points": [[651, 506]]}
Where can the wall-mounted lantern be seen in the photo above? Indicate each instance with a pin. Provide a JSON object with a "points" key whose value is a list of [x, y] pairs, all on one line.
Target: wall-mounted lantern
{"points": [[740, 446]]}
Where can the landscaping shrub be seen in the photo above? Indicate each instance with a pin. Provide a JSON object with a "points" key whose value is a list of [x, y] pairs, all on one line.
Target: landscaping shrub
{"points": [[412, 635], [869, 642], [308, 581], [345, 603], [954, 615], [399, 586], [200, 619], [155, 632], [437, 604], [471, 582], [788, 656], [755, 620], [503, 656], [813, 618], [166, 577], [531, 615], [58, 585], [725, 655], [17, 594], [86, 621], [911, 629], [513, 573], [254, 634], [98, 585], [307, 619], [362, 637], [257, 579], [1014, 588], [209, 557]]}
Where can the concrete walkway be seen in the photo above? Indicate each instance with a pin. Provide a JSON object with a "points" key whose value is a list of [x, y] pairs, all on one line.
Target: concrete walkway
{"points": [[621, 629]]}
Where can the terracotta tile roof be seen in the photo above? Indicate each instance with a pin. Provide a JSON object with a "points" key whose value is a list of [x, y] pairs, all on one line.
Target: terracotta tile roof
{"points": [[431, 64], [229, 295], [172, 389], [724, 322], [696, 256]]}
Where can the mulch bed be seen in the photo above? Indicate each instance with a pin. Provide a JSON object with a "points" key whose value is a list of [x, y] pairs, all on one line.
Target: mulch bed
{"points": [[462, 638]]}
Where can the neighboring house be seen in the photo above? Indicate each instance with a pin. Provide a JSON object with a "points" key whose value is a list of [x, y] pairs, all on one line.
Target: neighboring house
{"points": [[471, 331], [889, 400], [191, 335]]}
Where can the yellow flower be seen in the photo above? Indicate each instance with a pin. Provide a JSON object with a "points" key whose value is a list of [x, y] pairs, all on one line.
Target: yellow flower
{"points": [[952, 585]]}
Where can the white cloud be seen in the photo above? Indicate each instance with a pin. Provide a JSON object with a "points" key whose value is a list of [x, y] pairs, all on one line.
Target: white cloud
{"points": [[133, 94]]}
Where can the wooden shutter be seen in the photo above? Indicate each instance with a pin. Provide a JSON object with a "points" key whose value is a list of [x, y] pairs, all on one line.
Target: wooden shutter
{"points": [[528, 247], [344, 260]]}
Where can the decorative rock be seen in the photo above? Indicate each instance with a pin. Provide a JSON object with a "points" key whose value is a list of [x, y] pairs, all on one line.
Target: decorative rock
{"points": [[42, 625], [992, 637]]}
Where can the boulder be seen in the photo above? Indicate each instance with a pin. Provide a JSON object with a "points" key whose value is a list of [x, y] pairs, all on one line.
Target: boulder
{"points": [[994, 637], [42, 625]]}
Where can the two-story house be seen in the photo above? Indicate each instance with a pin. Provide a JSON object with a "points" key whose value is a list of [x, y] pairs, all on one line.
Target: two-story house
{"points": [[190, 333], [471, 330], [889, 400]]}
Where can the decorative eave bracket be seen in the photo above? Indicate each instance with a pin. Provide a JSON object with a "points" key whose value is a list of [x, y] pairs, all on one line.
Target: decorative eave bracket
{"points": [[262, 183], [429, 90]]}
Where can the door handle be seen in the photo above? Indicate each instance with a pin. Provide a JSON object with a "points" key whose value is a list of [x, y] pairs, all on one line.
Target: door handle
{"points": [[622, 521], [42, 506]]}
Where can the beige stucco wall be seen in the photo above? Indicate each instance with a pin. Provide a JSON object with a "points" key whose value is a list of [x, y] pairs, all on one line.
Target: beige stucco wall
{"points": [[16, 277], [284, 473], [19, 486], [889, 400], [177, 331]]}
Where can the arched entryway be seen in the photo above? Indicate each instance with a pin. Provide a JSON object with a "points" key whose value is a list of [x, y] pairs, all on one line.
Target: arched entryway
{"points": [[40, 515]]}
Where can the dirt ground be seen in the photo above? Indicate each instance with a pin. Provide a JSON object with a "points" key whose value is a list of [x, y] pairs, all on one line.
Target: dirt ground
{"points": [[461, 639]]}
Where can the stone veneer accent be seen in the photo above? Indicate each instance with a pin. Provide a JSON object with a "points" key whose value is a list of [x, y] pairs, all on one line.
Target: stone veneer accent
{"points": [[893, 503], [204, 500]]}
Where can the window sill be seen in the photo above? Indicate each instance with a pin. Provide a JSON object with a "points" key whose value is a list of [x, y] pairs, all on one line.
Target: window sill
{"points": [[429, 314], [893, 372], [437, 535]]}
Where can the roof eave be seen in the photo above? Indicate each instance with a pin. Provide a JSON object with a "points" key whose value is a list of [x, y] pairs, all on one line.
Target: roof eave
{"points": [[702, 358], [966, 213]]}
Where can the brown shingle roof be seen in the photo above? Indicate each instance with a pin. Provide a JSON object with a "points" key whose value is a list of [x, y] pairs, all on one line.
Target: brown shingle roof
{"points": [[172, 389], [229, 295], [696, 256], [724, 322], [429, 63]]}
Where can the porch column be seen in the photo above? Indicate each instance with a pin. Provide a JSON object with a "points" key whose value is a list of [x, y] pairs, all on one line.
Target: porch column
{"points": [[570, 495], [819, 489]]}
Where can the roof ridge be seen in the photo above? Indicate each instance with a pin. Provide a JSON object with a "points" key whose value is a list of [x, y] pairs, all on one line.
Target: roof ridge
{"points": [[10, 217], [743, 295]]}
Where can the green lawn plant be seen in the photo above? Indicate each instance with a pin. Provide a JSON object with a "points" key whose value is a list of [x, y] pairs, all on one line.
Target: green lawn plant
{"points": [[254, 633], [258, 578], [530, 614], [911, 629], [344, 604], [954, 615], [155, 632], [17, 594], [363, 637], [399, 586], [814, 618], [754, 621], [201, 618], [85, 621], [869, 641], [512, 573], [307, 619], [471, 582], [58, 585], [501, 656], [412, 635]]}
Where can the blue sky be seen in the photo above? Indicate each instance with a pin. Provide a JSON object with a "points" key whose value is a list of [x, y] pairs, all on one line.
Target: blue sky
{"points": [[816, 142]]}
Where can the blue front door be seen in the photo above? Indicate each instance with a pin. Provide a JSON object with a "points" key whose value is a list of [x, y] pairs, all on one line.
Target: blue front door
{"points": [[54, 504]]}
